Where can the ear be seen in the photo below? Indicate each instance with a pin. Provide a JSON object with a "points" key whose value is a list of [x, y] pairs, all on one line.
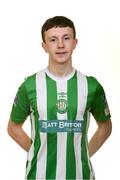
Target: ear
{"points": [[75, 43], [44, 46]]}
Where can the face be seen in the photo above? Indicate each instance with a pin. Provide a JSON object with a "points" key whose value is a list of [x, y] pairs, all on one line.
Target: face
{"points": [[59, 44]]}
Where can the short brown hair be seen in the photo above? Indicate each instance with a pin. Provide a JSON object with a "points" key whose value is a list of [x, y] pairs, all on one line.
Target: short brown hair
{"points": [[57, 21]]}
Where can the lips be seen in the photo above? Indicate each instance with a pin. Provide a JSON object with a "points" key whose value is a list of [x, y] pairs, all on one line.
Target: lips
{"points": [[60, 52]]}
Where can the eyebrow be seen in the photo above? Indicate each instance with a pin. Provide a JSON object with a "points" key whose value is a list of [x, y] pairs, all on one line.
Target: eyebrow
{"points": [[63, 36]]}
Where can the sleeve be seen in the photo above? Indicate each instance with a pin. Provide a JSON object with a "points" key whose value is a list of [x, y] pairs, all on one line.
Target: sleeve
{"points": [[99, 108], [21, 106]]}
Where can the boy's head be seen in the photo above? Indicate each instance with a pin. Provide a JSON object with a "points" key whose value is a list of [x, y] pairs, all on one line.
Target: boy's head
{"points": [[57, 21]]}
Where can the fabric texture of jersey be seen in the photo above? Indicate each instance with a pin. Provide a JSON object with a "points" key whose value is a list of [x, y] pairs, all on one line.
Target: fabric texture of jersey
{"points": [[58, 153]]}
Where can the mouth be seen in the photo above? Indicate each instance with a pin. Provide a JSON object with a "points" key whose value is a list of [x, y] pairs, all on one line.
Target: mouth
{"points": [[61, 53]]}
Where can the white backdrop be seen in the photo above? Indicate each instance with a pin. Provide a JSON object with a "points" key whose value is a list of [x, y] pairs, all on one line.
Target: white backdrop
{"points": [[97, 54]]}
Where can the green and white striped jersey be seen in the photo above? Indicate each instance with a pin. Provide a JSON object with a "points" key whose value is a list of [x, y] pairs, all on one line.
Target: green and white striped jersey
{"points": [[59, 110]]}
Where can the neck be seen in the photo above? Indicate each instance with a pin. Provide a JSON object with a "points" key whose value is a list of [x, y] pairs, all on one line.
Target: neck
{"points": [[60, 70]]}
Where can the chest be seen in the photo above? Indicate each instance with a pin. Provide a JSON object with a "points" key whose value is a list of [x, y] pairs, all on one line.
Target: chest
{"points": [[60, 99]]}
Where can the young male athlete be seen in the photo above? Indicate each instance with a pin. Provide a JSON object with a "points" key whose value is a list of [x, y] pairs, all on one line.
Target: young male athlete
{"points": [[59, 100]]}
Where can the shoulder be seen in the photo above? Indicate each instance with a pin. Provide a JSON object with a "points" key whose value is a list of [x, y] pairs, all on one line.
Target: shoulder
{"points": [[93, 85], [91, 80], [30, 80]]}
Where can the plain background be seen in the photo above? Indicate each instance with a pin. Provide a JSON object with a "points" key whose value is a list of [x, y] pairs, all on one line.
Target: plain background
{"points": [[97, 54]]}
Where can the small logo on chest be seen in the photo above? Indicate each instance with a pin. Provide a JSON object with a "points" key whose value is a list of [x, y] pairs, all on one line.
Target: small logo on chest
{"points": [[62, 103]]}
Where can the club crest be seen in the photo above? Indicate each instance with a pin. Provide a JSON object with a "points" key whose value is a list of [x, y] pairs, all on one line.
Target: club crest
{"points": [[62, 103]]}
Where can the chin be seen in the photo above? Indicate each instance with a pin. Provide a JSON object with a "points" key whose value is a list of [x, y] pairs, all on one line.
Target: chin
{"points": [[61, 61]]}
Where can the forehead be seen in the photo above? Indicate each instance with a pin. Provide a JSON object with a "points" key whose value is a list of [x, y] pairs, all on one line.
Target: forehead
{"points": [[59, 31]]}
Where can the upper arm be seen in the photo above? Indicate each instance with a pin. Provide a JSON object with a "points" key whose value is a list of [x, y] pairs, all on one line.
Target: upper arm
{"points": [[99, 106], [21, 106]]}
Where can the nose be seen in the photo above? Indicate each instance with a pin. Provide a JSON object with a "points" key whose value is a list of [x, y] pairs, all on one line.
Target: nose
{"points": [[60, 43]]}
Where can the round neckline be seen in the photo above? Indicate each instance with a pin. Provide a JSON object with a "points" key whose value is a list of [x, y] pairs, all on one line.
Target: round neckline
{"points": [[57, 78]]}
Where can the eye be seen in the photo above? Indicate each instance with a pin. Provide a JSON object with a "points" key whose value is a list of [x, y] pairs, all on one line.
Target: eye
{"points": [[67, 38], [52, 39]]}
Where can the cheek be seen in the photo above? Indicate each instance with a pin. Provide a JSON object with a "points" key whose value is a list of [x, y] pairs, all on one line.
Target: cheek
{"points": [[71, 45], [52, 47], [51, 50], [47, 49]]}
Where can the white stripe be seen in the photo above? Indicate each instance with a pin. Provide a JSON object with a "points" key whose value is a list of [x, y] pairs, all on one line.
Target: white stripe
{"points": [[61, 138], [42, 110], [82, 94], [92, 175], [81, 105], [31, 151]]}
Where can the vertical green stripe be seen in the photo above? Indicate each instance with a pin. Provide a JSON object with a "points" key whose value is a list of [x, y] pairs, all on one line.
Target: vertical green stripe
{"points": [[51, 137], [84, 146], [72, 111], [31, 91]]}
